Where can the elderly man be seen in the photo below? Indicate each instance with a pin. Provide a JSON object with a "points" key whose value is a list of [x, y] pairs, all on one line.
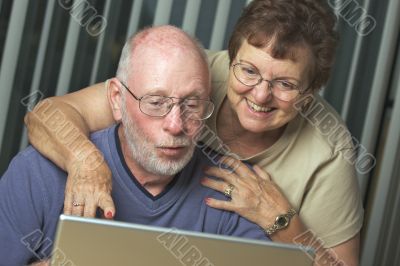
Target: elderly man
{"points": [[160, 96]]}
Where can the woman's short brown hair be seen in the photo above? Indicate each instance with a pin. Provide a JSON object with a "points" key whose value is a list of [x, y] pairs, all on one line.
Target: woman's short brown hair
{"points": [[289, 24]]}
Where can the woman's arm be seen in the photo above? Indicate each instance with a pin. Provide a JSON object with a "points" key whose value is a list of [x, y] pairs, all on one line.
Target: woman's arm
{"points": [[59, 127], [256, 197]]}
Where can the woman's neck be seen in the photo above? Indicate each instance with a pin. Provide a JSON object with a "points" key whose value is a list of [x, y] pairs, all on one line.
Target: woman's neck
{"points": [[239, 140]]}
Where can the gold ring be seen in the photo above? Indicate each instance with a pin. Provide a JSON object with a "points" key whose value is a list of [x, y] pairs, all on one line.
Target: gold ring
{"points": [[77, 204], [228, 190]]}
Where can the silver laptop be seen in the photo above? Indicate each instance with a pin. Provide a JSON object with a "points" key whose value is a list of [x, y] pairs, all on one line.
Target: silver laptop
{"points": [[82, 241]]}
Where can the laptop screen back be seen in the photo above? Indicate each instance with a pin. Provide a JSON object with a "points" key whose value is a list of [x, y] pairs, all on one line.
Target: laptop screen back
{"points": [[83, 241]]}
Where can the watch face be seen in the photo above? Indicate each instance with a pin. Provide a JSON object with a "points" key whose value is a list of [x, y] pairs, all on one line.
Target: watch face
{"points": [[282, 221]]}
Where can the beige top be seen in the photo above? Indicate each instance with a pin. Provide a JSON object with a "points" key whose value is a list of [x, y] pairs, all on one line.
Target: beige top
{"points": [[312, 163]]}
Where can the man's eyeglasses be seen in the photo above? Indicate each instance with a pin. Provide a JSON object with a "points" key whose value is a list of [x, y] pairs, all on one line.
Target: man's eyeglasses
{"points": [[159, 106], [282, 89]]}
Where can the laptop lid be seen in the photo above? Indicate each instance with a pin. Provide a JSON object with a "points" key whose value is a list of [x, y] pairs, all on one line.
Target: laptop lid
{"points": [[85, 241]]}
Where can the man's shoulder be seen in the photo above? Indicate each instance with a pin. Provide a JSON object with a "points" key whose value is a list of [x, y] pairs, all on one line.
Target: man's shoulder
{"points": [[211, 157], [206, 155], [31, 157], [105, 139], [102, 134], [30, 172]]}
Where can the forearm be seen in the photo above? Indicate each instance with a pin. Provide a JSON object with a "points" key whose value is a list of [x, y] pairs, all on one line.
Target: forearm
{"points": [[59, 126], [260, 200], [296, 233], [58, 131]]}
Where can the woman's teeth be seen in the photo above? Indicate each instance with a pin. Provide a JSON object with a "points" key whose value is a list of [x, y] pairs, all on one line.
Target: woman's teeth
{"points": [[258, 108]]}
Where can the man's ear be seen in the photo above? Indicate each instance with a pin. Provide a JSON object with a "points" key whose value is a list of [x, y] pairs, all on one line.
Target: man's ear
{"points": [[115, 97]]}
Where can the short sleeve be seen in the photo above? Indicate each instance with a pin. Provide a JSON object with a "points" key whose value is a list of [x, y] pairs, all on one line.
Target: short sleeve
{"points": [[332, 205]]}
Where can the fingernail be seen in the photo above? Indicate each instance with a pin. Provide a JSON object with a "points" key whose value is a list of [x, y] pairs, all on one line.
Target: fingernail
{"points": [[207, 200], [109, 214], [203, 180]]}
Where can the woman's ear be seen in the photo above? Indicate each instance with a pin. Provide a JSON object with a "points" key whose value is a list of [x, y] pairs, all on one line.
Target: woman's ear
{"points": [[115, 97]]}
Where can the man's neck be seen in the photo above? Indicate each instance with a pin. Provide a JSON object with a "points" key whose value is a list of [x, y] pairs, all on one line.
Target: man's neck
{"points": [[153, 183]]}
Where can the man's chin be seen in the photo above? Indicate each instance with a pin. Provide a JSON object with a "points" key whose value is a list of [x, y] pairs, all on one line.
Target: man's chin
{"points": [[173, 162], [168, 167]]}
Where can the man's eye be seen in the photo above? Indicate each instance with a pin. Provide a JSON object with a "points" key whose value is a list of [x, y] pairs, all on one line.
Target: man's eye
{"points": [[156, 101], [192, 104]]}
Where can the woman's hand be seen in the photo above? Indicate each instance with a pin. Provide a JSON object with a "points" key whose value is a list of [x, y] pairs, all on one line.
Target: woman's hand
{"points": [[254, 196], [88, 187]]}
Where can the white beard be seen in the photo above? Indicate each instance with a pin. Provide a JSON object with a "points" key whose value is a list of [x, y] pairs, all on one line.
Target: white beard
{"points": [[143, 151]]}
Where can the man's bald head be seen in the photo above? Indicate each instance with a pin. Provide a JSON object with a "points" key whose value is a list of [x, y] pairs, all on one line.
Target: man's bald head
{"points": [[165, 41]]}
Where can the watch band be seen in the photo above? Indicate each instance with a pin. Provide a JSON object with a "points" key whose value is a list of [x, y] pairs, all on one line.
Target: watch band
{"points": [[281, 222]]}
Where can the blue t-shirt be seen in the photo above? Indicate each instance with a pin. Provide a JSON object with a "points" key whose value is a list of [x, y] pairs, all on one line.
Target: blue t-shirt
{"points": [[32, 195]]}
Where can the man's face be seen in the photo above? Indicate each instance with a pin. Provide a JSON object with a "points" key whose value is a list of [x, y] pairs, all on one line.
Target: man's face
{"points": [[163, 145]]}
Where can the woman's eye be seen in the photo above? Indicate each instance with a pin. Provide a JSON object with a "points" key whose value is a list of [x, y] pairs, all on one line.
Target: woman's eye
{"points": [[249, 71], [283, 84]]}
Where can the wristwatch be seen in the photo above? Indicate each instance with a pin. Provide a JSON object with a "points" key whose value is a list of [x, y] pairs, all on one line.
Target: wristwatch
{"points": [[281, 222]]}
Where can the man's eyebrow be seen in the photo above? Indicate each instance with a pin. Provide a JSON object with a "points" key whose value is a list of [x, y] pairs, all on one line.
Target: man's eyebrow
{"points": [[192, 95], [158, 91]]}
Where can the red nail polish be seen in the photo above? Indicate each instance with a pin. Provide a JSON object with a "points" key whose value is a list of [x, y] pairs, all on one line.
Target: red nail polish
{"points": [[109, 214], [207, 200]]}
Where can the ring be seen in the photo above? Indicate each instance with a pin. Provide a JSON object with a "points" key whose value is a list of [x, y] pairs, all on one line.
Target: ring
{"points": [[76, 204], [228, 190]]}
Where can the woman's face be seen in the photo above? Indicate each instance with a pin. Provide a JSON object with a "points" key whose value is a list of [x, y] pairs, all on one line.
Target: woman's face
{"points": [[256, 108]]}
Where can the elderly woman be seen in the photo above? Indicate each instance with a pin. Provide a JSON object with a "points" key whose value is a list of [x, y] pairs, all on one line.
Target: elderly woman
{"points": [[268, 114]]}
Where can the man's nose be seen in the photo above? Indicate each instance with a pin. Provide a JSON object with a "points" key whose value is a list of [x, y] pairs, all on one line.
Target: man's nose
{"points": [[173, 122]]}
